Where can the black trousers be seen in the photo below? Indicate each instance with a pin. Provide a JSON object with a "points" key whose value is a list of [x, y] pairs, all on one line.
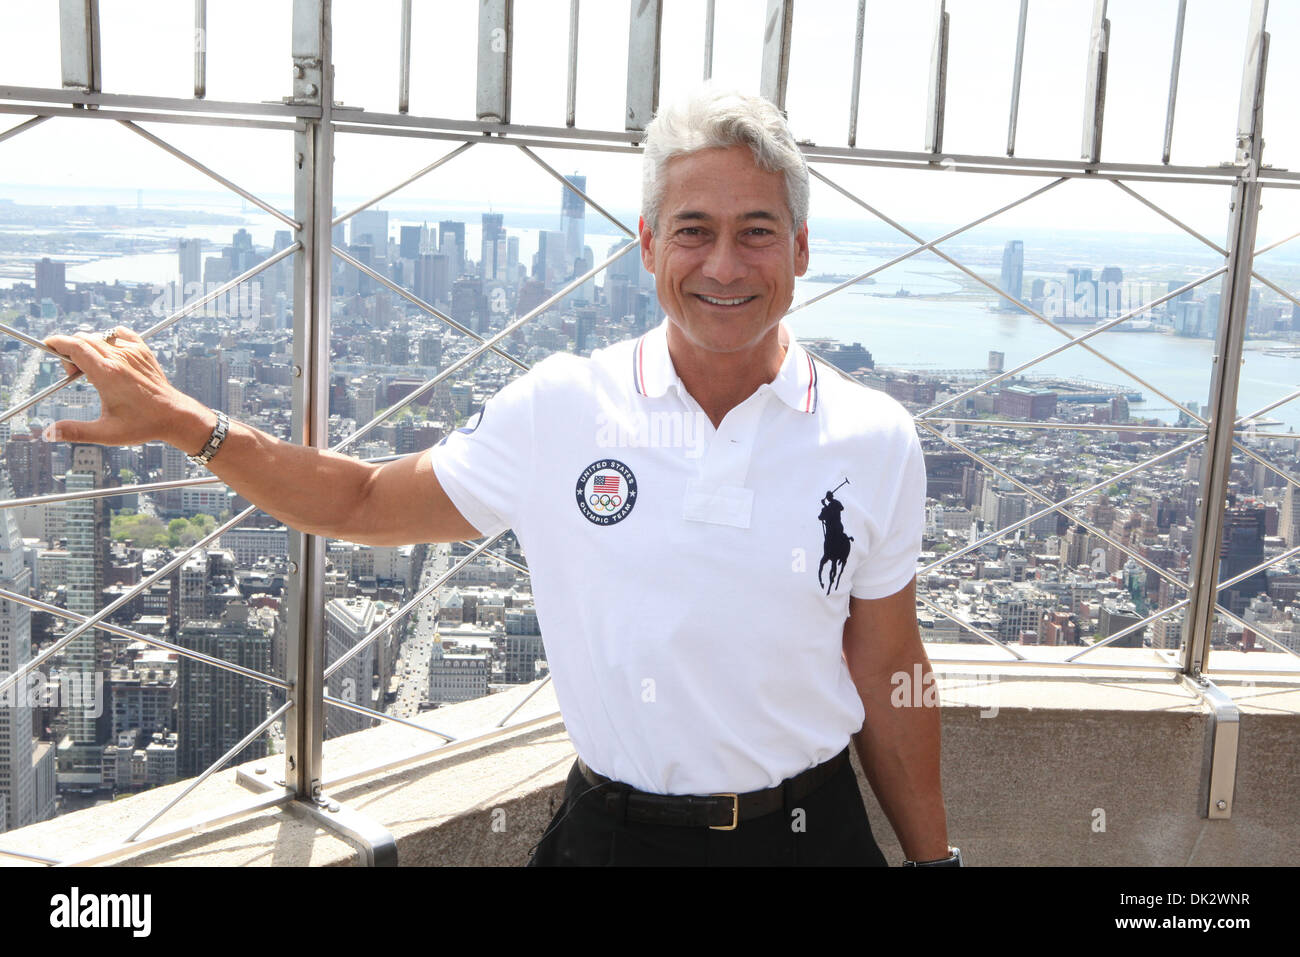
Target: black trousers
{"points": [[827, 827]]}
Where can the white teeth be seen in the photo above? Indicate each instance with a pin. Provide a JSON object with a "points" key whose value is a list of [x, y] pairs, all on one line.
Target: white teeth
{"points": [[726, 302]]}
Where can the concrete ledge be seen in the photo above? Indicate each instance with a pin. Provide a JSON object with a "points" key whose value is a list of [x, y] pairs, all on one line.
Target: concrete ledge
{"points": [[1038, 769]]}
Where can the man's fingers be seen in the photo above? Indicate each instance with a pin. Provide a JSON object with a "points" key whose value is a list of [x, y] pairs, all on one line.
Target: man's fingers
{"points": [[71, 430], [79, 352]]}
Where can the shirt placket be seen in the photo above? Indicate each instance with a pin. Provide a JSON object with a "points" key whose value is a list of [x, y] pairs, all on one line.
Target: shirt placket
{"points": [[718, 494]]}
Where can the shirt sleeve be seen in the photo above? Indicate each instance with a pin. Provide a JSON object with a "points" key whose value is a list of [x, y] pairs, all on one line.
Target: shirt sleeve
{"points": [[891, 562], [486, 466]]}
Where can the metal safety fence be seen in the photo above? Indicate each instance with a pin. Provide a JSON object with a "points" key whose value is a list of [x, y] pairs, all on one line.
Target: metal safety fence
{"points": [[311, 114]]}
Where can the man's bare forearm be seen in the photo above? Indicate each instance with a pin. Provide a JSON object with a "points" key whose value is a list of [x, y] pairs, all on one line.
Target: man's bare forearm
{"points": [[899, 751], [306, 488]]}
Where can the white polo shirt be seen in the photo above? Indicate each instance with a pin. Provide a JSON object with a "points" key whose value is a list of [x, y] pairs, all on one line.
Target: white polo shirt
{"points": [[675, 566]]}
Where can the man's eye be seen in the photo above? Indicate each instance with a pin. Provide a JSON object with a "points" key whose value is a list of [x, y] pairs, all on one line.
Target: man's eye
{"points": [[689, 231]]}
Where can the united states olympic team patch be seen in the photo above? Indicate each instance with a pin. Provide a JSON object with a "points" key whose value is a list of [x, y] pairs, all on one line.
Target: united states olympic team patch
{"points": [[606, 492]]}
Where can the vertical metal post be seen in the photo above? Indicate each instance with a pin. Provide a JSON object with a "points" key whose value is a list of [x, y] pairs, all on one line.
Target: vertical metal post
{"points": [[859, 34], [404, 61], [313, 205], [643, 62], [1015, 79], [200, 49], [776, 51], [495, 49], [571, 96], [1094, 99], [1231, 334], [1173, 79], [708, 39], [938, 81], [79, 49]]}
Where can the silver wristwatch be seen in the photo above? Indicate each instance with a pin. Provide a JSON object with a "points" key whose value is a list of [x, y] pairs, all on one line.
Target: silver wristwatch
{"points": [[211, 447], [952, 860]]}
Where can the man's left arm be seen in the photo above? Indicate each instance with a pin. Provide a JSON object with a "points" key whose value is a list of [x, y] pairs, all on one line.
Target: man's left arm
{"points": [[898, 746]]}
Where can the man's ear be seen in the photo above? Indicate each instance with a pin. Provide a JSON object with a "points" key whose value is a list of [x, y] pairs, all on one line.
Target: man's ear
{"points": [[801, 250], [647, 245]]}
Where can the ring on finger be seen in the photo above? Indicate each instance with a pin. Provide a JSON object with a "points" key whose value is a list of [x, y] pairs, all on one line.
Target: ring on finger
{"points": [[110, 337]]}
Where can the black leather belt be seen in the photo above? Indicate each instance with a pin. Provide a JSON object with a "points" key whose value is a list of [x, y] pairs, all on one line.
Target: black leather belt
{"points": [[721, 812]]}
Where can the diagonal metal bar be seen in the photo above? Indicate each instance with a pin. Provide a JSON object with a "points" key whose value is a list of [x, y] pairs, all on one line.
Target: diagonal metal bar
{"points": [[22, 127], [1275, 287], [198, 656], [417, 301], [1073, 340], [127, 596], [1168, 576], [185, 310], [362, 709], [25, 338], [408, 606], [971, 628], [526, 698], [1082, 340], [915, 250], [221, 290], [614, 220], [105, 492], [1159, 210], [1256, 629], [1241, 420], [212, 174], [1265, 462], [1271, 246], [216, 766], [485, 347], [34, 858], [406, 182], [1073, 497], [1262, 566], [1124, 632]]}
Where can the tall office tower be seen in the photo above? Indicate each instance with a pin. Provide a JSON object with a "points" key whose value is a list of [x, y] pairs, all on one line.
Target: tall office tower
{"points": [[216, 707], [451, 240], [1013, 274], [1242, 547], [86, 522], [371, 226], [489, 265], [51, 281], [191, 260], [201, 374], [573, 218], [17, 783], [430, 349], [1288, 523], [550, 265], [512, 258], [399, 348], [29, 461], [408, 246], [347, 621], [433, 277]]}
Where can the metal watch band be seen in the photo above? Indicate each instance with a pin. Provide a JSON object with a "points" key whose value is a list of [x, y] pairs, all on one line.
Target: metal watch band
{"points": [[952, 860], [213, 445]]}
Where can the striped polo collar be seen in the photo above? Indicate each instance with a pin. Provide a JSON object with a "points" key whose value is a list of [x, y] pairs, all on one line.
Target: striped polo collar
{"points": [[795, 382]]}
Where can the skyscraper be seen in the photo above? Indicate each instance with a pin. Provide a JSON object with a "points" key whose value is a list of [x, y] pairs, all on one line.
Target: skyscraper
{"points": [[573, 221], [191, 260], [51, 281], [1013, 274], [17, 783], [451, 240], [216, 707], [371, 226], [410, 240], [86, 523], [491, 267], [347, 622]]}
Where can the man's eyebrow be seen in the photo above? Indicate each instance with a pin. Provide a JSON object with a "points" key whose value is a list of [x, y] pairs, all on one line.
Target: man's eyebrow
{"points": [[697, 214]]}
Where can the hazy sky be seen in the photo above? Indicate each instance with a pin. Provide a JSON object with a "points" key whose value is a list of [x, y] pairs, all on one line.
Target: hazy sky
{"points": [[148, 49]]}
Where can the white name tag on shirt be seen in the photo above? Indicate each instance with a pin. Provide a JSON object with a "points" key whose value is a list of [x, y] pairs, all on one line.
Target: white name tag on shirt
{"points": [[718, 504]]}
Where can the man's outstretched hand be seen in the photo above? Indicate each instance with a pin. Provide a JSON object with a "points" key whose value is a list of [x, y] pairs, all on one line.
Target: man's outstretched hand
{"points": [[137, 403]]}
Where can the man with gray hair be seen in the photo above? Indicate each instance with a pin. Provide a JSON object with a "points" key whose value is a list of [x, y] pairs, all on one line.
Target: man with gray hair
{"points": [[710, 676]]}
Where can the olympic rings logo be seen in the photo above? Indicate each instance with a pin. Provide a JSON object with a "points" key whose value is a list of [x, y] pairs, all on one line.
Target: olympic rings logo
{"points": [[604, 503]]}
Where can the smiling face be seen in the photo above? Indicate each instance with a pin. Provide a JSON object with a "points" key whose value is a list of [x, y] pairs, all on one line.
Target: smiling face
{"points": [[725, 255]]}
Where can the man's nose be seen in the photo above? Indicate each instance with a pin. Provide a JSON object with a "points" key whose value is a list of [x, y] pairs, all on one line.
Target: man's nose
{"points": [[725, 262]]}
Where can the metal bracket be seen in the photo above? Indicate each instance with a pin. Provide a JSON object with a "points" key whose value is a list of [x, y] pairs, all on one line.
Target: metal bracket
{"points": [[1220, 777], [374, 843]]}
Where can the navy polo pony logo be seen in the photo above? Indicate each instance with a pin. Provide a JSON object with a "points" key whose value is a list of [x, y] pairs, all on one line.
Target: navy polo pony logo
{"points": [[836, 544]]}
